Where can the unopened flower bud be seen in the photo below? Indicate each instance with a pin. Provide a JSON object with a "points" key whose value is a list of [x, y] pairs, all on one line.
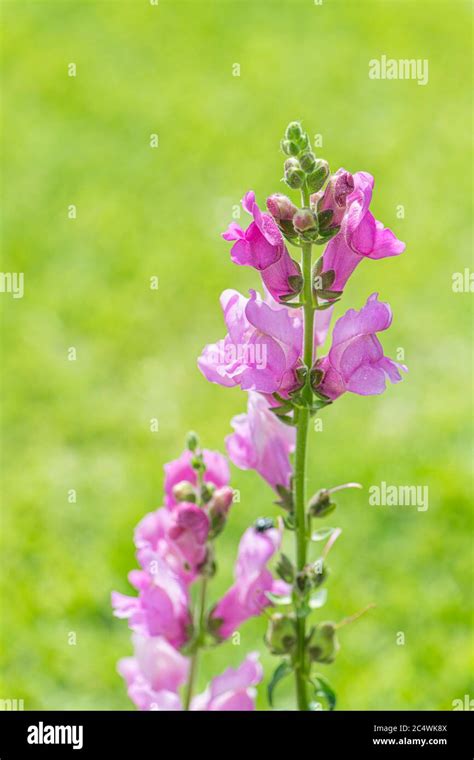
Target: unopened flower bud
{"points": [[294, 131], [294, 178], [304, 220], [323, 644], [184, 491], [192, 441], [291, 163], [290, 148], [308, 162], [318, 177], [334, 197], [218, 509], [280, 637], [222, 499], [280, 207]]}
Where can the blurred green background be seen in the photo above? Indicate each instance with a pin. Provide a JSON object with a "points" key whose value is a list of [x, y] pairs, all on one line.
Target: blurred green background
{"points": [[145, 212]]}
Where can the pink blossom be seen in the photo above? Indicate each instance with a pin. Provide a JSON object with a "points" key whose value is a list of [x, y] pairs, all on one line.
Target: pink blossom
{"points": [[261, 246], [334, 197], [263, 347], [234, 689], [281, 207], [161, 607], [217, 472], [178, 536], [155, 673], [261, 442], [361, 235], [189, 530], [356, 361], [247, 597]]}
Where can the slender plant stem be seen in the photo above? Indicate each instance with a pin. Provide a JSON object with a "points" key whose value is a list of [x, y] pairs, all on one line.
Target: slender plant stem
{"points": [[301, 536], [201, 607]]}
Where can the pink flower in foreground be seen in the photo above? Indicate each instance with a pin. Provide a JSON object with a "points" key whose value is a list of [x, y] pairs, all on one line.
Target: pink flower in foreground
{"points": [[356, 361], [261, 246], [217, 472], [361, 235], [247, 597], [161, 607], [155, 673], [261, 442], [263, 347], [234, 689]]}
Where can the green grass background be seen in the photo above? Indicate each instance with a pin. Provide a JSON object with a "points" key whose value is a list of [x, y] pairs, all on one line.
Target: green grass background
{"points": [[144, 212]]}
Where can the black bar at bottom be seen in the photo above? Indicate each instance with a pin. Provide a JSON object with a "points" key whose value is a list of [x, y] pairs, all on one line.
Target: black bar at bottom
{"points": [[65, 734]]}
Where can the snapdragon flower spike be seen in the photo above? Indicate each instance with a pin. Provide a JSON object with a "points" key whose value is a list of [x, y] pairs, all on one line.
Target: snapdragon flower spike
{"points": [[261, 442], [356, 361], [156, 671], [261, 246], [179, 470], [248, 596], [263, 347], [360, 235]]}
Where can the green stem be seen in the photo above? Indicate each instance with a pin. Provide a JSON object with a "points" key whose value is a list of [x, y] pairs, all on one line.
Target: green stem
{"points": [[194, 659], [300, 465]]}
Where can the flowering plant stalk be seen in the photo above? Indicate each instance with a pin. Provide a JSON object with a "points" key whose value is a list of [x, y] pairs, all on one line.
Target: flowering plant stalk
{"points": [[270, 351]]}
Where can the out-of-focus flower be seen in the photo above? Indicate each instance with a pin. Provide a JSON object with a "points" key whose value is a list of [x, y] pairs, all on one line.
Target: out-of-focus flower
{"points": [[180, 470], [261, 442], [161, 607], [234, 689], [356, 361], [154, 674], [248, 596]]}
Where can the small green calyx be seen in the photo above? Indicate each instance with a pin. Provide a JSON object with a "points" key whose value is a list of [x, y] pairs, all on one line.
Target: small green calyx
{"points": [[323, 645], [280, 637], [320, 504]]}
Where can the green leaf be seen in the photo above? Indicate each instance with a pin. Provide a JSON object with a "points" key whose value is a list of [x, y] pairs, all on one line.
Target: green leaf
{"points": [[321, 535], [283, 670], [322, 688]]}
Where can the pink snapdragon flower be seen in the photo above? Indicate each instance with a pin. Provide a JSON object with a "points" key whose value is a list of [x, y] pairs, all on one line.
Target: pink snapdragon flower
{"points": [[248, 596], [262, 247], [261, 442], [356, 361], [155, 673], [162, 605], [178, 536], [233, 690], [361, 235], [263, 347], [217, 472]]}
